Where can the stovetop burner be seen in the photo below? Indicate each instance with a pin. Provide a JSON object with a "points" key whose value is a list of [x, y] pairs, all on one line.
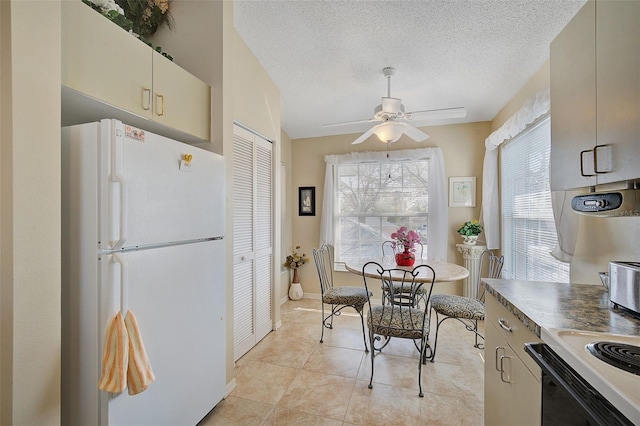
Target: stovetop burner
{"points": [[620, 355]]}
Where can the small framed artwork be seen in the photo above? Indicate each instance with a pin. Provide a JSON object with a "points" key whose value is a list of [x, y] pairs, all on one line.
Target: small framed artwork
{"points": [[462, 191], [307, 201]]}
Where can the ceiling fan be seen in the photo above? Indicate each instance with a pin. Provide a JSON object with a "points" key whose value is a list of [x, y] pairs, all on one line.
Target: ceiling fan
{"points": [[393, 118]]}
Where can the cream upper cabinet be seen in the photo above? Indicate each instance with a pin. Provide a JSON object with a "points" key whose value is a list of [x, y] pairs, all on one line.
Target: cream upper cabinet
{"points": [[180, 100], [512, 390], [595, 97], [618, 88], [104, 61], [101, 60]]}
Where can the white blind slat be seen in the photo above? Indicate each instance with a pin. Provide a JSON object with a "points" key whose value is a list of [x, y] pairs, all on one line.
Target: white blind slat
{"points": [[529, 233]]}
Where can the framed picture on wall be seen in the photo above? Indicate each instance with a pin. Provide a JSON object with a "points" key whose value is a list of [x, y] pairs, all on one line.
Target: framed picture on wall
{"points": [[462, 191], [307, 201]]}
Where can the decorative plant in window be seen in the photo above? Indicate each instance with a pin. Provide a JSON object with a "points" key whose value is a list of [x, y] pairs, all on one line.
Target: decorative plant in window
{"points": [[404, 244]]}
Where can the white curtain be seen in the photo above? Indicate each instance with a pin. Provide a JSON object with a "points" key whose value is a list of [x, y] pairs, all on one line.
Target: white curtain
{"points": [[437, 218], [566, 221], [533, 108]]}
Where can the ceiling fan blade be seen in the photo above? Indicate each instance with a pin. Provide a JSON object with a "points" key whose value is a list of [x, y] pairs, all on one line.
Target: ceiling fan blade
{"points": [[457, 112], [363, 136], [414, 133], [344, 123]]}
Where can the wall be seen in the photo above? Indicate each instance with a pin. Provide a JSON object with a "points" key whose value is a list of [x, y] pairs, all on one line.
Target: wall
{"points": [[463, 149], [30, 212], [288, 202], [599, 239]]}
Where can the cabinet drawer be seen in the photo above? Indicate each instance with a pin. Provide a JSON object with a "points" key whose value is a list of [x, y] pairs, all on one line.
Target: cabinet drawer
{"points": [[513, 331]]}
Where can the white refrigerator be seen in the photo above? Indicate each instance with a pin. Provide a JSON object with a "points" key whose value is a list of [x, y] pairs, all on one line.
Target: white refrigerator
{"points": [[143, 220]]}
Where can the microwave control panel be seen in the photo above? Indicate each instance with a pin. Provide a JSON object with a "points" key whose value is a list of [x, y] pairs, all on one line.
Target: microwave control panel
{"points": [[595, 203]]}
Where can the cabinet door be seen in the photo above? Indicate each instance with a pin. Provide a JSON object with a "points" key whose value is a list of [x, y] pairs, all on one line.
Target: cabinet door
{"points": [[512, 394], [104, 61], [180, 100], [618, 88], [495, 392], [573, 102], [252, 240]]}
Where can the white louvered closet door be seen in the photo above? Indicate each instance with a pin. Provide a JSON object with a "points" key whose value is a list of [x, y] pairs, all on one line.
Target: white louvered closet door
{"points": [[252, 239]]}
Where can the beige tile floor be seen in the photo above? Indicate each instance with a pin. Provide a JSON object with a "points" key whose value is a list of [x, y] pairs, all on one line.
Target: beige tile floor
{"points": [[289, 378]]}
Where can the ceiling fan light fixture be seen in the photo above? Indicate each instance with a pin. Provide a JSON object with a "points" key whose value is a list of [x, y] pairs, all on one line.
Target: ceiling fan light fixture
{"points": [[388, 132]]}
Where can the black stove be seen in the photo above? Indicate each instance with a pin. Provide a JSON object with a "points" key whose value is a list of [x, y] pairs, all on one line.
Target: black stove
{"points": [[620, 355]]}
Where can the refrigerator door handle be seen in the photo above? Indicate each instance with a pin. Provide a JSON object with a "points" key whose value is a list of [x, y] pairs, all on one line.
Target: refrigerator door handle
{"points": [[118, 178], [123, 281]]}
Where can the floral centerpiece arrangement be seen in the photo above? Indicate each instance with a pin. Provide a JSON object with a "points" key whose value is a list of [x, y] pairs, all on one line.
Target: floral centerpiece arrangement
{"points": [[470, 231], [141, 18], [404, 242], [294, 261]]}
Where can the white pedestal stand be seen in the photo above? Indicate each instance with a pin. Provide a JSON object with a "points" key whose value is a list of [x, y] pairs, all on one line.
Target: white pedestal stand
{"points": [[471, 256]]}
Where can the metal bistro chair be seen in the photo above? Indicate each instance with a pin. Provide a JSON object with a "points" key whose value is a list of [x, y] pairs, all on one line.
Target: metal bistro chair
{"points": [[388, 253], [398, 318], [467, 310], [338, 297]]}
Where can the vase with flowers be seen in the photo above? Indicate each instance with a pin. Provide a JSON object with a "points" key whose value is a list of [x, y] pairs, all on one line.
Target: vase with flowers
{"points": [[404, 241], [470, 231], [294, 261]]}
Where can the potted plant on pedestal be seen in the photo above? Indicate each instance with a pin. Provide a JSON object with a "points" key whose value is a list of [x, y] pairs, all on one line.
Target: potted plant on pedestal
{"points": [[293, 262], [470, 231]]}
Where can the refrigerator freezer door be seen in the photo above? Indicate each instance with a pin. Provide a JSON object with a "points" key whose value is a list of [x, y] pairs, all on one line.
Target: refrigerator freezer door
{"points": [[158, 190], [177, 295]]}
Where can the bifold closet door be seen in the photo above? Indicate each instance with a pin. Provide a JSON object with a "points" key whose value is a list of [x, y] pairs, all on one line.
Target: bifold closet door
{"points": [[252, 239]]}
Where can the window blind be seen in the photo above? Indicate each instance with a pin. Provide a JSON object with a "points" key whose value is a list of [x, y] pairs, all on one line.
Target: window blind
{"points": [[528, 227]]}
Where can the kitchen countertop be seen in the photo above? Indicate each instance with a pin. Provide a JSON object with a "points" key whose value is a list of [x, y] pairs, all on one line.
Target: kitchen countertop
{"points": [[559, 305]]}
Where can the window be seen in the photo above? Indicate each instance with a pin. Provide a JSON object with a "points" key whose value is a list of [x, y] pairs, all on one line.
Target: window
{"points": [[373, 199], [528, 227]]}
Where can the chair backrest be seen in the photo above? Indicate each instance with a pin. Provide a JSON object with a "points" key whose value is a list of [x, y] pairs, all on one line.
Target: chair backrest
{"points": [[400, 285], [388, 248], [493, 265], [324, 264]]}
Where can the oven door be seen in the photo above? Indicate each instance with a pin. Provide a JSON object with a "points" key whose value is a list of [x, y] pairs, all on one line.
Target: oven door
{"points": [[568, 399]]}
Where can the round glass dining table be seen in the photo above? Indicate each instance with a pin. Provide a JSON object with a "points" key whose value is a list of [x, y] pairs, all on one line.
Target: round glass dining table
{"points": [[445, 271]]}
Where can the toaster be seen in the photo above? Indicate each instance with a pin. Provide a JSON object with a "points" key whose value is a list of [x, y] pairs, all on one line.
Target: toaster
{"points": [[624, 285]]}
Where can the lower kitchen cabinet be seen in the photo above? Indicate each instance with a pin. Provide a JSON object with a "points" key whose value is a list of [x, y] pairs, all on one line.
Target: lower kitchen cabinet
{"points": [[512, 392]]}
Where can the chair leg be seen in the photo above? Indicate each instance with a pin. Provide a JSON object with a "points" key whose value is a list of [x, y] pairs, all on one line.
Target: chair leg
{"points": [[373, 354], [423, 350], [364, 336], [435, 339], [323, 319]]}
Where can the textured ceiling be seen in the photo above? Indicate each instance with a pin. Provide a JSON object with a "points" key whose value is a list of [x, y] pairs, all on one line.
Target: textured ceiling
{"points": [[326, 57]]}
